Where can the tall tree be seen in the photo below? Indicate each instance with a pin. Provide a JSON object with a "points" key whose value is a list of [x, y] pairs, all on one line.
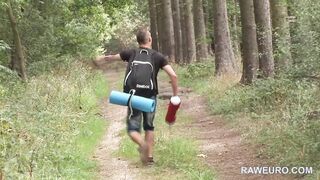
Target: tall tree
{"points": [[18, 60], [249, 42], [281, 33], [224, 57], [160, 26], [200, 30], [208, 19], [177, 30], [183, 32], [264, 35], [153, 24], [235, 24], [169, 48], [191, 45]]}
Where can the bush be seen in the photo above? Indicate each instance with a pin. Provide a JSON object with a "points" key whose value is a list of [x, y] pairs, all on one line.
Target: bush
{"points": [[281, 115], [284, 114], [199, 70], [40, 121]]}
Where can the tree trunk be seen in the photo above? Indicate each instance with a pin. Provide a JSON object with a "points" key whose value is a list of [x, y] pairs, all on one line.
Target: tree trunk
{"points": [[264, 37], [177, 30], [19, 59], [191, 45], [249, 42], [169, 48], [235, 26], [208, 19], [14, 62], [281, 33], [224, 57], [183, 32], [200, 30], [160, 28], [153, 24]]}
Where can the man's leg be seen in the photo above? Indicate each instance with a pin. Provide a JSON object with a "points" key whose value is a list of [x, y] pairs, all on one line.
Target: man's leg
{"points": [[134, 125], [136, 137], [149, 134], [149, 138]]}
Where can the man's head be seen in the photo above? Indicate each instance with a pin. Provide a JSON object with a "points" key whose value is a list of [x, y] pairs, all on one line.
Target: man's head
{"points": [[144, 37]]}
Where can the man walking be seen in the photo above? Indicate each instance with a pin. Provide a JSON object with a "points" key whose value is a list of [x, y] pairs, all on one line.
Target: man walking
{"points": [[141, 79]]}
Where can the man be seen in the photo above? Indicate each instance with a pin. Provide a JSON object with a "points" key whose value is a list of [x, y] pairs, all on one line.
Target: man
{"points": [[144, 40]]}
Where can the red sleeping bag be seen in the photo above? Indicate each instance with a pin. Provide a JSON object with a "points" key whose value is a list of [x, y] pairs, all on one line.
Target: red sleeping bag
{"points": [[172, 109]]}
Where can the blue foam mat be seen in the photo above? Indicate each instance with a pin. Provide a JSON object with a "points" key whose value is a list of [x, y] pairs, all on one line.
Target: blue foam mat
{"points": [[137, 102]]}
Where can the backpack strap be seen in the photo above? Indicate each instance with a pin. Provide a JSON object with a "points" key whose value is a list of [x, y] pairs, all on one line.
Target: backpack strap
{"points": [[154, 72], [144, 50]]}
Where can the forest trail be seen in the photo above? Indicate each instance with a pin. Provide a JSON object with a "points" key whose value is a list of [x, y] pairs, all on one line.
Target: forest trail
{"points": [[221, 146], [110, 166]]}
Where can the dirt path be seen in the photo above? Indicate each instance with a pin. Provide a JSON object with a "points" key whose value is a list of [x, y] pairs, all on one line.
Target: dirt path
{"points": [[222, 147], [111, 167]]}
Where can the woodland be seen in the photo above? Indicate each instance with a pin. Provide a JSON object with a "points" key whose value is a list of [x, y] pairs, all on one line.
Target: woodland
{"points": [[255, 61]]}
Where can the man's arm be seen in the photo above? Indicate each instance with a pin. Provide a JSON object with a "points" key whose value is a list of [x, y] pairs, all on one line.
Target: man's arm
{"points": [[174, 80], [112, 57], [103, 58]]}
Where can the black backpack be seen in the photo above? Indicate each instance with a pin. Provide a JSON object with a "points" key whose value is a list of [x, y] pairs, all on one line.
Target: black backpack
{"points": [[140, 74]]}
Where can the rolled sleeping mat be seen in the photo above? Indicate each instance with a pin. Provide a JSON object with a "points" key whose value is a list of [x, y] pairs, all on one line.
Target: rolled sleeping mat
{"points": [[137, 102], [142, 103], [119, 98]]}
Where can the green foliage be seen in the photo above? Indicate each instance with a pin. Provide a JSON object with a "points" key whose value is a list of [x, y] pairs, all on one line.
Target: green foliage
{"points": [[51, 29], [199, 70], [281, 114], [305, 34], [4, 46], [292, 134], [128, 20], [45, 122], [112, 6]]}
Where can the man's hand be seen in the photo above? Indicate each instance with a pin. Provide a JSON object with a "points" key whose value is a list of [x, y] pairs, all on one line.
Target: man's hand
{"points": [[108, 57], [112, 57]]}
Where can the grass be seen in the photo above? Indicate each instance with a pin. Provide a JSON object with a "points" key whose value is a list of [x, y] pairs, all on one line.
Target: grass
{"points": [[273, 114], [92, 131], [90, 135], [50, 125], [175, 153]]}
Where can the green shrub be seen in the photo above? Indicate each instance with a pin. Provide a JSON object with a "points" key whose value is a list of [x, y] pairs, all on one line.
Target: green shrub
{"points": [[280, 111], [40, 121], [199, 70], [281, 114]]}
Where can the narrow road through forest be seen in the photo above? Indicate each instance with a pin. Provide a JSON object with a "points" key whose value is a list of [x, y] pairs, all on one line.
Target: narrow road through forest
{"points": [[221, 146], [110, 166]]}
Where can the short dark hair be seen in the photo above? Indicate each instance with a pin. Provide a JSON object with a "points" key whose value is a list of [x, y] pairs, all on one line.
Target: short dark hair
{"points": [[142, 36]]}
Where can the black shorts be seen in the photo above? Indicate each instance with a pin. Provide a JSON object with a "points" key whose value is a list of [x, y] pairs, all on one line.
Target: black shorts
{"points": [[134, 121]]}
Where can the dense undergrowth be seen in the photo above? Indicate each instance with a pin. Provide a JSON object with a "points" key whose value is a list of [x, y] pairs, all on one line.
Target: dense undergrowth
{"points": [[280, 115], [49, 125]]}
